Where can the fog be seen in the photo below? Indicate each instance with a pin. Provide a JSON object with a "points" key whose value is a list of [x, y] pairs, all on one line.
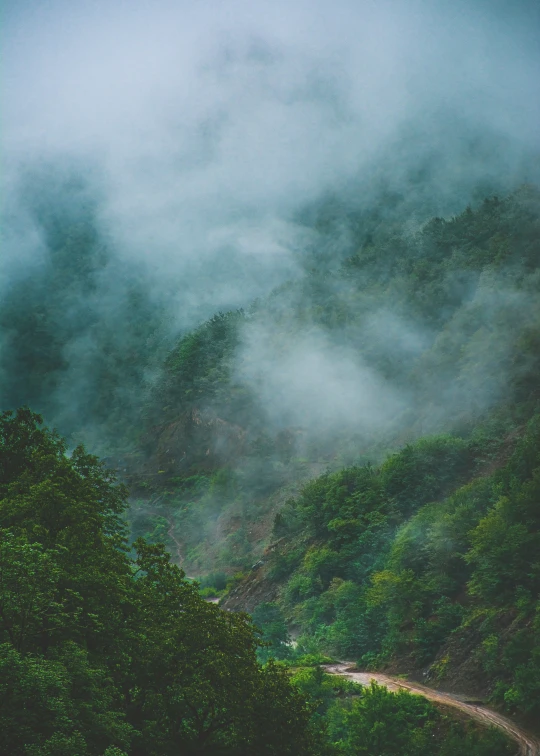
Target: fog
{"points": [[201, 135], [310, 383]]}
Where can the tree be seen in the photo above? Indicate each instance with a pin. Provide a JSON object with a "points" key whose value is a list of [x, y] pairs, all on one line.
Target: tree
{"points": [[110, 652]]}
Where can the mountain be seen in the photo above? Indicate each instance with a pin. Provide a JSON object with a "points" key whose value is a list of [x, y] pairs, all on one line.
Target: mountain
{"points": [[353, 458], [367, 436]]}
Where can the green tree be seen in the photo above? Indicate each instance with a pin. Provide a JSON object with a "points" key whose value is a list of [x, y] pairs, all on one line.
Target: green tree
{"points": [[109, 652]]}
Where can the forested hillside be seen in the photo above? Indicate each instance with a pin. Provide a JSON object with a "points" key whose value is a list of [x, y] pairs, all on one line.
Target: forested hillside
{"points": [[415, 333], [269, 378], [354, 459], [103, 651], [107, 651], [416, 361]]}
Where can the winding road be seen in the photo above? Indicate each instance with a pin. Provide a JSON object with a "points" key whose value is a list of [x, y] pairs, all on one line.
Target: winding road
{"points": [[529, 745]]}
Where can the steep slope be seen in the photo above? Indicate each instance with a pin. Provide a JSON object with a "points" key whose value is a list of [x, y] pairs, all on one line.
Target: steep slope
{"points": [[406, 568], [399, 334], [405, 373]]}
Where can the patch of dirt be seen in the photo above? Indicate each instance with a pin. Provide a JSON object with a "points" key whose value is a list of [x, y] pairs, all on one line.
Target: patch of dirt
{"points": [[255, 589]]}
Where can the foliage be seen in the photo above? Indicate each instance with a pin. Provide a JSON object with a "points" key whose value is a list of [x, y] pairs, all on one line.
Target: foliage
{"points": [[435, 541], [101, 653], [377, 722], [463, 566], [268, 617], [420, 539]]}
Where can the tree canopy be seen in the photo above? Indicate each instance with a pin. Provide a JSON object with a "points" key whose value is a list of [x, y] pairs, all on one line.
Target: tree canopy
{"points": [[105, 650]]}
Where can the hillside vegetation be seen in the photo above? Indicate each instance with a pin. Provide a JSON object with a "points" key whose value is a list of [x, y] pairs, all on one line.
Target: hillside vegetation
{"points": [[404, 565], [104, 652], [417, 545], [354, 459]]}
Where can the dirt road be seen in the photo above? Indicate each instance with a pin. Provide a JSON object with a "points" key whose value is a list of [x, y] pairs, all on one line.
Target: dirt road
{"points": [[528, 744]]}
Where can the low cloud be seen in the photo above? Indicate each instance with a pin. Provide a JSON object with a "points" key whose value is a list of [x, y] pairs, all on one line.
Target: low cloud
{"points": [[308, 382], [202, 132]]}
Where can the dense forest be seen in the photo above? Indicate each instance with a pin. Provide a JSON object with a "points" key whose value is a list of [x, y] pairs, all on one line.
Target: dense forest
{"points": [[415, 335], [354, 459], [107, 650], [269, 378]]}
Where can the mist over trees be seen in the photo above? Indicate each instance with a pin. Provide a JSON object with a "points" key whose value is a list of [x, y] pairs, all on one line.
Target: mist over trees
{"points": [[196, 178], [411, 549], [279, 265], [74, 322]]}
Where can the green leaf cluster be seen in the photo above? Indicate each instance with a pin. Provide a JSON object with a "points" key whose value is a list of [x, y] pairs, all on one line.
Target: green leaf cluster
{"points": [[103, 652], [423, 569]]}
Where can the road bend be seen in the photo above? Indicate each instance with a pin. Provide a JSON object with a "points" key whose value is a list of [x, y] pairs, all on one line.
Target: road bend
{"points": [[529, 745]]}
